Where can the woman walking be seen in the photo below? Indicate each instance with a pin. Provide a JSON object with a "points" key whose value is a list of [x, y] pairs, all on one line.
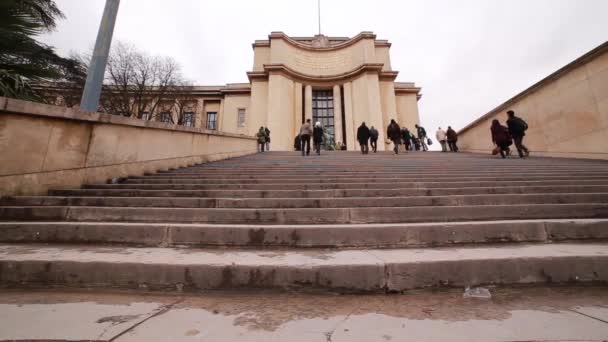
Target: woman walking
{"points": [[501, 138], [317, 137]]}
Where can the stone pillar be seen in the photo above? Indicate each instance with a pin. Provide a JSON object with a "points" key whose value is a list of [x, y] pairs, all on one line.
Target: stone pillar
{"points": [[297, 108], [308, 102], [338, 114], [351, 128], [200, 114]]}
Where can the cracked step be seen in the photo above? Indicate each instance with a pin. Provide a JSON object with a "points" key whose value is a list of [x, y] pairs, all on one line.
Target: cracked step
{"points": [[371, 270]]}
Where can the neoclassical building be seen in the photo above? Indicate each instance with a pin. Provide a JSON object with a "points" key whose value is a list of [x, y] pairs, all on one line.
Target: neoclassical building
{"points": [[338, 81]]}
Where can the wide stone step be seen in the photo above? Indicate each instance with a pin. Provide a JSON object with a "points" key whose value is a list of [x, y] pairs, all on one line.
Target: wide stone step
{"points": [[307, 216], [371, 270], [351, 180], [293, 203], [372, 175], [330, 193], [346, 185], [304, 236]]}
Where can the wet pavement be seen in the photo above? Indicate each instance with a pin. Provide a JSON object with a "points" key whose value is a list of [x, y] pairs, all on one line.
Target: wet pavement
{"points": [[515, 314]]}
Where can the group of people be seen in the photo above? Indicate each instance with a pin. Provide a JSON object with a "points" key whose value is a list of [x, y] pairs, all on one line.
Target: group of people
{"points": [[447, 139], [307, 132], [263, 139], [504, 136], [399, 136]]}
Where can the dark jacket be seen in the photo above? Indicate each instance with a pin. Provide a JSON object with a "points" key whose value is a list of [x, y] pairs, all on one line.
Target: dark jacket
{"points": [[267, 135], [393, 131], [373, 134], [517, 126], [452, 135], [363, 134], [317, 135], [421, 132], [405, 135], [501, 136]]}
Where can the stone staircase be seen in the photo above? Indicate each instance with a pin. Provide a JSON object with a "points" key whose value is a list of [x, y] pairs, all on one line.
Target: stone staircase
{"points": [[342, 222]]}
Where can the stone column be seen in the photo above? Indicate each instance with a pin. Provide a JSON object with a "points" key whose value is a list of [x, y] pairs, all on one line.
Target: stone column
{"points": [[351, 128], [297, 108], [338, 115], [308, 102], [200, 113]]}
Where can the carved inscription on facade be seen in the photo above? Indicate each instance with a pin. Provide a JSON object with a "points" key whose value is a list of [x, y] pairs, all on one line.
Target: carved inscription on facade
{"points": [[324, 63]]}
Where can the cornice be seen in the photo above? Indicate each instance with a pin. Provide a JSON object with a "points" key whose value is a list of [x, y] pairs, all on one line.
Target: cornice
{"points": [[293, 74], [295, 43]]}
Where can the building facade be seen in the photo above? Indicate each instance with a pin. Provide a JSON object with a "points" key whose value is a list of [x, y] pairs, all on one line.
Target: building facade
{"points": [[340, 82]]}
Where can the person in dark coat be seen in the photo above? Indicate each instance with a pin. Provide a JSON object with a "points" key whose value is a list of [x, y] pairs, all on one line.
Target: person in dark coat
{"points": [[267, 138], [317, 137], [261, 139], [501, 138], [393, 132], [517, 129], [452, 139], [373, 138], [406, 138], [363, 135], [422, 137]]}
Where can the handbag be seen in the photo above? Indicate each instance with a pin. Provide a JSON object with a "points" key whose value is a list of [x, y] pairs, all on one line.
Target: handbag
{"points": [[429, 141], [496, 150]]}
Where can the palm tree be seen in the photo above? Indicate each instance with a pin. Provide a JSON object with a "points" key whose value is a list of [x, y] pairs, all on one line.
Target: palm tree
{"points": [[23, 59]]}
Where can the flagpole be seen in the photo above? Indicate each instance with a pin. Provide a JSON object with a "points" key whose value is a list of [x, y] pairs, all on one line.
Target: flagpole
{"points": [[319, 7]]}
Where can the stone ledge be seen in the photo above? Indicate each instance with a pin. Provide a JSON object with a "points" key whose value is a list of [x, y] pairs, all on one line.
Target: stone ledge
{"points": [[20, 107]]}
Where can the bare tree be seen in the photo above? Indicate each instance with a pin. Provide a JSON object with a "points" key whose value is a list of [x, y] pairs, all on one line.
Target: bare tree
{"points": [[137, 82]]}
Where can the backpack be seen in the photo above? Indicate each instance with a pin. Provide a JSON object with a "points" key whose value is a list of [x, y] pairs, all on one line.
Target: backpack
{"points": [[519, 124]]}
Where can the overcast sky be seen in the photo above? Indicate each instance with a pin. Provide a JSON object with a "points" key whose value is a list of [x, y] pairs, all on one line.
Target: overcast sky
{"points": [[468, 55]]}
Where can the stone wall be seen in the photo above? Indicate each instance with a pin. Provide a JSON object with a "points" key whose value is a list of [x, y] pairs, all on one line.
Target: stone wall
{"points": [[567, 112], [44, 147]]}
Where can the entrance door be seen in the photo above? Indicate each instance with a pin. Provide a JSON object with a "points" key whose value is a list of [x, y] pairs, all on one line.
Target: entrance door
{"points": [[323, 112]]}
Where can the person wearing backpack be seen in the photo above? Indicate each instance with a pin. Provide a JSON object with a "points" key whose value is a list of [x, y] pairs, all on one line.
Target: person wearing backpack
{"points": [[422, 137], [517, 129], [373, 138], [393, 132]]}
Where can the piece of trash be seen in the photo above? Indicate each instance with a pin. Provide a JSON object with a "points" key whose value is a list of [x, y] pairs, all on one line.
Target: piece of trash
{"points": [[477, 292]]}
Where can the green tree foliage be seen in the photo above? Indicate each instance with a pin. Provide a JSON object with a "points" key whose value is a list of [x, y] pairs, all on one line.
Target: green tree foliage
{"points": [[23, 59]]}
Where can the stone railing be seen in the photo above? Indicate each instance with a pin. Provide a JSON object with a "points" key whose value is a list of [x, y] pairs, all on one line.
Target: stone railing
{"points": [[46, 147]]}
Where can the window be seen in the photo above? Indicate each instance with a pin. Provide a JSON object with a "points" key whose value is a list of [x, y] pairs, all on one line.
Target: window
{"points": [[323, 110], [211, 120], [241, 117], [188, 120], [145, 115], [165, 117]]}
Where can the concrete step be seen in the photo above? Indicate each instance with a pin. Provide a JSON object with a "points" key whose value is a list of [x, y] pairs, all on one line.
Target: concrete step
{"points": [[332, 192], [305, 236], [307, 216], [371, 270], [352, 180], [346, 185], [369, 175], [293, 203]]}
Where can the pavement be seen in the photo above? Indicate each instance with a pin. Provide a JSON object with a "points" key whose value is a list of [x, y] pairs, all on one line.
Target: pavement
{"points": [[574, 313]]}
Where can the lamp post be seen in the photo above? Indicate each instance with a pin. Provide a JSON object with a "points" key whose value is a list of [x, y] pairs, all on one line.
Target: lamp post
{"points": [[99, 60]]}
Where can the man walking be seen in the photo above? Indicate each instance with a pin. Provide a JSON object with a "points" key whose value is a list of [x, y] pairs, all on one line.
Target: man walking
{"points": [[442, 137], [452, 139], [261, 139], [517, 129], [305, 134], [422, 137], [363, 135], [373, 137], [317, 137], [267, 138], [393, 132]]}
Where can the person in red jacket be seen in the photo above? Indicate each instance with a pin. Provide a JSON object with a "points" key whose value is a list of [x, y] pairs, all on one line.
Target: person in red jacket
{"points": [[501, 138]]}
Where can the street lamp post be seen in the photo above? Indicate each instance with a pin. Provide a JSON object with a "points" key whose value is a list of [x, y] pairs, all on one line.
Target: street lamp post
{"points": [[99, 60]]}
